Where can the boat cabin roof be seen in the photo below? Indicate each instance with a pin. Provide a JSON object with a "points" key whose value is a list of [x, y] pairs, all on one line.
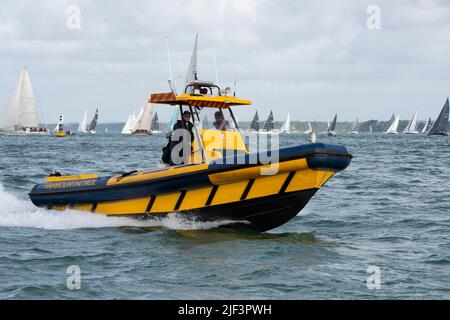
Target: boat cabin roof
{"points": [[200, 94]]}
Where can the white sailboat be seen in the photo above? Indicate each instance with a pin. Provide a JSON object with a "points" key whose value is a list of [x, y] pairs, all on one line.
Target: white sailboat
{"points": [[144, 121], [286, 127], [129, 125], [354, 129], [309, 130], [394, 126], [427, 126], [20, 116], [411, 128], [91, 127], [83, 124]]}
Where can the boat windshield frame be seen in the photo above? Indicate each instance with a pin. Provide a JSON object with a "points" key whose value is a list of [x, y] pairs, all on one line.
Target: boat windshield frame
{"points": [[195, 118]]}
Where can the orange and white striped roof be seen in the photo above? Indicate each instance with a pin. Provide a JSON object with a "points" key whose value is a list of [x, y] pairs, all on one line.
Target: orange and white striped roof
{"points": [[197, 100]]}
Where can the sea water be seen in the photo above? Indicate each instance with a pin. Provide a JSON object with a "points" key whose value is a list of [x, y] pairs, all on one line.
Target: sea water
{"points": [[378, 230]]}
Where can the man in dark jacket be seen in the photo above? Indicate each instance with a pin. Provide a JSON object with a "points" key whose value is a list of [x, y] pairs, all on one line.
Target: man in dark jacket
{"points": [[185, 124]]}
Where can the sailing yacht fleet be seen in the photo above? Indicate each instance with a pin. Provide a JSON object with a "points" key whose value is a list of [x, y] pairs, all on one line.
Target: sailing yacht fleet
{"points": [[20, 117]]}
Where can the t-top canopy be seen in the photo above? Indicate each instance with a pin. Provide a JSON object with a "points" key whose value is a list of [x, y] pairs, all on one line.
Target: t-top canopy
{"points": [[201, 99]]}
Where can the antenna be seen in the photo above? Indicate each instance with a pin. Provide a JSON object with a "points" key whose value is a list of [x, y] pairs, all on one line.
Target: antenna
{"points": [[234, 91], [171, 84], [215, 62]]}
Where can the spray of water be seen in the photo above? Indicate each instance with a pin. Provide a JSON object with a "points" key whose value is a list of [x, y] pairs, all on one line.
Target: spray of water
{"points": [[15, 212]]}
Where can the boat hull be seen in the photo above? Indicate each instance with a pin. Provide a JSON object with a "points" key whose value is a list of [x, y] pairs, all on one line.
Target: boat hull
{"points": [[245, 192], [261, 214]]}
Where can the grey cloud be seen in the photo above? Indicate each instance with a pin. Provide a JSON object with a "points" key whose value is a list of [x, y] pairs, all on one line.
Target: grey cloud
{"points": [[309, 58]]}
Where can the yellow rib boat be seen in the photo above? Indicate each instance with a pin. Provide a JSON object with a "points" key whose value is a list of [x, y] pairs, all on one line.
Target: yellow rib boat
{"points": [[219, 179]]}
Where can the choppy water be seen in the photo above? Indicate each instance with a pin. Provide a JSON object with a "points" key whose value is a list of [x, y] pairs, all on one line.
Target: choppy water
{"points": [[390, 209]]}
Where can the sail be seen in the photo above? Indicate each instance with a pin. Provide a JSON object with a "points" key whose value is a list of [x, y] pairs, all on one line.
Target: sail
{"points": [[394, 125], [129, 125], [370, 128], [390, 122], [440, 126], [21, 110], [205, 122], [155, 123], [332, 126], [255, 122], [355, 126], [427, 126], [91, 127], [83, 123], [144, 121], [412, 125], [191, 74], [269, 123], [286, 127], [309, 130]]}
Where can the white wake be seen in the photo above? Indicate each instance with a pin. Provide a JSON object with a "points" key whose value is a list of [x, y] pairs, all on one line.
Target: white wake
{"points": [[15, 212]]}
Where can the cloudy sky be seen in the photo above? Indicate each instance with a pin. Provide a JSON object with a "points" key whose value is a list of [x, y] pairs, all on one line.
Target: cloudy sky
{"points": [[309, 58]]}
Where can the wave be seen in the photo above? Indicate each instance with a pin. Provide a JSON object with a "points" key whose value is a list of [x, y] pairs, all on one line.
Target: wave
{"points": [[15, 212]]}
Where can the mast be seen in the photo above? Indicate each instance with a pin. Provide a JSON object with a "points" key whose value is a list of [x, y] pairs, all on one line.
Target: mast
{"points": [[171, 83], [215, 62]]}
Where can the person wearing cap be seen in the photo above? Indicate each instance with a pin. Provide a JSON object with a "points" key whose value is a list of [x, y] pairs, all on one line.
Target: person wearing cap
{"points": [[185, 123]]}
